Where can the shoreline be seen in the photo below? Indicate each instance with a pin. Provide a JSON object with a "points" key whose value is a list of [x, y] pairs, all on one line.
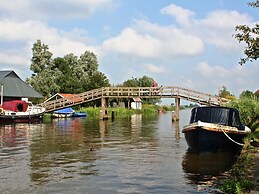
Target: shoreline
{"points": [[255, 171]]}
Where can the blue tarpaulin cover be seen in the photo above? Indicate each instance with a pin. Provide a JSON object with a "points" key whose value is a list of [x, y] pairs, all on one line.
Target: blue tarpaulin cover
{"points": [[64, 111]]}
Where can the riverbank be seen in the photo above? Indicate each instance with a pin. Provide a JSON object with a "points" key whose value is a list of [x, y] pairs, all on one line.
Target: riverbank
{"points": [[255, 172]]}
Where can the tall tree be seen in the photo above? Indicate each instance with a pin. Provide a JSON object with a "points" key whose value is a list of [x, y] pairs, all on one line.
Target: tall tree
{"points": [[249, 35], [44, 77], [144, 81], [224, 93], [70, 74]]}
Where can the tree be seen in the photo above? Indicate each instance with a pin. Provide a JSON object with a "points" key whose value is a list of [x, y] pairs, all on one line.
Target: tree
{"points": [[70, 74], [45, 75], [224, 93], [144, 81], [247, 94], [249, 35]]}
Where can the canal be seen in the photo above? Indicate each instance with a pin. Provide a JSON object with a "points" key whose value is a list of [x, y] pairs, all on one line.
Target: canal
{"points": [[138, 154]]}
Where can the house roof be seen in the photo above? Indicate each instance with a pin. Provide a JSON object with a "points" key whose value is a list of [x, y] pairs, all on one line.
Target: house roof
{"points": [[14, 86], [70, 97], [257, 92], [136, 99]]}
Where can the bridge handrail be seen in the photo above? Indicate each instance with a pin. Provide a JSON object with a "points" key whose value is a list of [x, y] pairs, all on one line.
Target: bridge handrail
{"points": [[131, 92]]}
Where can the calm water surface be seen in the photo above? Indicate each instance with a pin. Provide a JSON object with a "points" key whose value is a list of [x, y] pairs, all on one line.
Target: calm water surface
{"points": [[139, 154]]}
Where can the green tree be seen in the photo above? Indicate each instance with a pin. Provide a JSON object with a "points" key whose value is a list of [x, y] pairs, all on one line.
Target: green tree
{"points": [[144, 81], [45, 75], [70, 74], [224, 93], [246, 94], [87, 71], [249, 35], [249, 111]]}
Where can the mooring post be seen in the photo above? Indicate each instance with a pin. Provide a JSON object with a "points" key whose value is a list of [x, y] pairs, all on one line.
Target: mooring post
{"points": [[177, 109], [104, 112]]}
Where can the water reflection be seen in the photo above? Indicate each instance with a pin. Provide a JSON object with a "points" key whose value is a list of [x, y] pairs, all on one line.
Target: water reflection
{"points": [[200, 168], [62, 152], [137, 154]]}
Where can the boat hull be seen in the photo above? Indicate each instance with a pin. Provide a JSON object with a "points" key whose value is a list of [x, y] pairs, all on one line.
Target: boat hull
{"points": [[20, 118], [207, 137], [201, 140]]}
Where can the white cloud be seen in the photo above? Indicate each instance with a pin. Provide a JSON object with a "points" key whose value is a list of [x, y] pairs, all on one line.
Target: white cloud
{"points": [[212, 71], [58, 9], [25, 33], [145, 39], [181, 15], [129, 41], [218, 28], [154, 68], [13, 59]]}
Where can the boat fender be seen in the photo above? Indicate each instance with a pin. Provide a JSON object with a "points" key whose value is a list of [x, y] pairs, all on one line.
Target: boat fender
{"points": [[1, 111]]}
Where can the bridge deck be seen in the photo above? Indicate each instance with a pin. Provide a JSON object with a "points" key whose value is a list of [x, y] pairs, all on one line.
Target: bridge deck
{"points": [[133, 92]]}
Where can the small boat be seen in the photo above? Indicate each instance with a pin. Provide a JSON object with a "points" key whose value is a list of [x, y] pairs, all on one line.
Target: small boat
{"points": [[79, 114], [17, 111], [67, 113], [213, 129], [63, 113]]}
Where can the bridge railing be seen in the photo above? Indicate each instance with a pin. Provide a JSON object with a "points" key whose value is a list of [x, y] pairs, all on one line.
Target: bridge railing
{"points": [[131, 92], [73, 100], [164, 92]]}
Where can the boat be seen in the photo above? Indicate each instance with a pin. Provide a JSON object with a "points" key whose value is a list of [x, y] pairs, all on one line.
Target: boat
{"points": [[67, 113], [79, 114], [212, 129], [16, 111]]}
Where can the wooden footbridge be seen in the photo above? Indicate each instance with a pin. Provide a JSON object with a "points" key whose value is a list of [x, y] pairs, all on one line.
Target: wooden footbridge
{"points": [[106, 93]]}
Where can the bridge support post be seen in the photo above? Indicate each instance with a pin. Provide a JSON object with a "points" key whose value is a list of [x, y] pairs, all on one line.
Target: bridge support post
{"points": [[177, 109], [104, 111]]}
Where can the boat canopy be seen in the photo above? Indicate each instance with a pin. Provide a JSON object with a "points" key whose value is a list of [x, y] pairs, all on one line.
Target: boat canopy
{"points": [[68, 110], [217, 115], [15, 105]]}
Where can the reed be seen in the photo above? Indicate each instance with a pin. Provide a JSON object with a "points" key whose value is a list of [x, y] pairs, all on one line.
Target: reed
{"points": [[121, 111]]}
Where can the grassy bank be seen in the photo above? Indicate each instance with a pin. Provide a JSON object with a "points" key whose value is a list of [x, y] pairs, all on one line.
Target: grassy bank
{"points": [[240, 178], [122, 112]]}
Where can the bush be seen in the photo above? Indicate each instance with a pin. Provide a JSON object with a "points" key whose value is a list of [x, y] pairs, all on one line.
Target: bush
{"points": [[249, 111]]}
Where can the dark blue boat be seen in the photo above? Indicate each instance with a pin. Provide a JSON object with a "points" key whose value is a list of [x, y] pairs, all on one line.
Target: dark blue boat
{"points": [[213, 129], [79, 114]]}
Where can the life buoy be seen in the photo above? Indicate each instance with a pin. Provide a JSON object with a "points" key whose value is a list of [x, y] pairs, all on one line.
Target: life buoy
{"points": [[1, 111]]}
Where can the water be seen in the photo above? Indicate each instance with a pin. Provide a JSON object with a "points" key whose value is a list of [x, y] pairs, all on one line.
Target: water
{"points": [[140, 154]]}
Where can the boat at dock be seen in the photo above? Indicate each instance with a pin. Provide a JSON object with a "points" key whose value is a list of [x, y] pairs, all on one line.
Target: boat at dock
{"points": [[67, 113], [213, 129], [17, 111]]}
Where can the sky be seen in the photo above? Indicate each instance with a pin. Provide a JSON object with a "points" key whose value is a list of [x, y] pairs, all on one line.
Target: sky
{"points": [[183, 43]]}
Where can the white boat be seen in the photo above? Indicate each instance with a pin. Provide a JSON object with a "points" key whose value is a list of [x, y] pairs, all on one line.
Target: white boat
{"points": [[20, 111]]}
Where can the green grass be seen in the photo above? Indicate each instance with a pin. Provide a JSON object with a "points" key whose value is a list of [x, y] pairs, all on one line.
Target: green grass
{"points": [[123, 112]]}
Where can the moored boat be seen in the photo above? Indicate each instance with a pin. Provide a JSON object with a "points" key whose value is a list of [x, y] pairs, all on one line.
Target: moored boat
{"points": [[63, 113], [212, 129], [67, 113], [20, 111]]}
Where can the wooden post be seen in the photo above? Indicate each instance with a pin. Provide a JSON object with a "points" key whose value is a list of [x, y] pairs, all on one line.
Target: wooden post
{"points": [[177, 109], [104, 112]]}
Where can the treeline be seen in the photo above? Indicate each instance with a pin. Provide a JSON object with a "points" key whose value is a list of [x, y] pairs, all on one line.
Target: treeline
{"points": [[70, 74]]}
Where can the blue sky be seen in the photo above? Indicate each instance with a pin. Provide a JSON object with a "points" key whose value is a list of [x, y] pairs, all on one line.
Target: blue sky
{"points": [[182, 43]]}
